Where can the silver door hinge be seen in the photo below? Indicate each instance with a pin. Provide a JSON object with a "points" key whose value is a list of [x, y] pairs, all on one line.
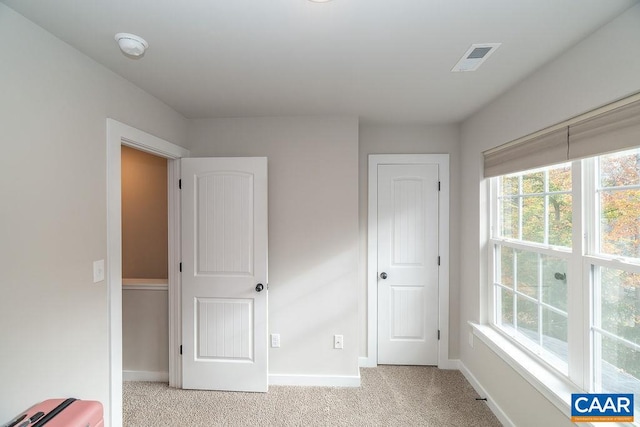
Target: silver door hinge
{"points": [[438, 334], [180, 267], [181, 349], [438, 185], [180, 184], [438, 260]]}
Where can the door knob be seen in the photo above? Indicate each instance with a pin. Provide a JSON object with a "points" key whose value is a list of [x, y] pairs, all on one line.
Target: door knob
{"points": [[259, 287], [383, 275]]}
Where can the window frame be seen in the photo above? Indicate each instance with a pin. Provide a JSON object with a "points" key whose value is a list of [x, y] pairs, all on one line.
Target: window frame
{"points": [[582, 261], [594, 259], [574, 342]]}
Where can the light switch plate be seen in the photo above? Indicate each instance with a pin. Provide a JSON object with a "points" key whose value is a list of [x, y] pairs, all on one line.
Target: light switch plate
{"points": [[98, 271]]}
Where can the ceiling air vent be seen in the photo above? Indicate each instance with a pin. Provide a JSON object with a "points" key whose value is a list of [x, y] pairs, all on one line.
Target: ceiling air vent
{"points": [[475, 56]]}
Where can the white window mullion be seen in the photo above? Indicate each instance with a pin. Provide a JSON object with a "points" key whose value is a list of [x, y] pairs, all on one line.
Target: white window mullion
{"points": [[494, 302], [520, 201], [515, 290], [495, 216], [546, 207], [562, 253], [596, 347], [588, 241], [615, 263], [577, 288], [539, 302]]}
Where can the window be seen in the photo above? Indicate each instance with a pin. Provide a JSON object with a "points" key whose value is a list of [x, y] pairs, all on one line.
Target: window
{"points": [[614, 264], [566, 268], [534, 228]]}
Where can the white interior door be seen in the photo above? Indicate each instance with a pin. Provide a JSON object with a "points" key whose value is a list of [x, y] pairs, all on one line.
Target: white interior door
{"points": [[224, 274], [408, 264]]}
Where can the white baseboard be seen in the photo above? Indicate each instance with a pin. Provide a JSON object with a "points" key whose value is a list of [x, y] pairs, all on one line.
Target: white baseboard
{"points": [[366, 362], [157, 377], [497, 411], [315, 380], [453, 364]]}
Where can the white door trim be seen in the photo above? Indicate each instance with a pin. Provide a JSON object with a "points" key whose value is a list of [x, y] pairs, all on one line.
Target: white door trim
{"points": [[119, 134], [442, 160]]}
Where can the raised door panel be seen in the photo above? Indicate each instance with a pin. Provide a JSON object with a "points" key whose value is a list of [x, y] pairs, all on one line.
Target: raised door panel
{"points": [[406, 307], [408, 222], [224, 224], [225, 329]]}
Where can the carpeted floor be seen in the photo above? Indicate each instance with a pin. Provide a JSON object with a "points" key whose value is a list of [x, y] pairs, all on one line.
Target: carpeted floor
{"points": [[389, 396]]}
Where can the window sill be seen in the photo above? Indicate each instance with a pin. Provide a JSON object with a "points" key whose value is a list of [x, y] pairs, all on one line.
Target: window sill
{"points": [[553, 387]]}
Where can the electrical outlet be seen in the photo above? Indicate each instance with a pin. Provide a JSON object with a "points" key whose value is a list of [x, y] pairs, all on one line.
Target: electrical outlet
{"points": [[275, 340], [338, 342]]}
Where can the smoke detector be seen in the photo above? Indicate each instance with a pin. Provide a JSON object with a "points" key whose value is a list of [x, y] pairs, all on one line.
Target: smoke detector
{"points": [[475, 56], [131, 45]]}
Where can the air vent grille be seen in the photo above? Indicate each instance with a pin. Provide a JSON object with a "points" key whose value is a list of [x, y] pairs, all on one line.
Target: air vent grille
{"points": [[475, 56]]}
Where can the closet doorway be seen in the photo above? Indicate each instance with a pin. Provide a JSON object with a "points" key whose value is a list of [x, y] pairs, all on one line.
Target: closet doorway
{"points": [[120, 135], [145, 319]]}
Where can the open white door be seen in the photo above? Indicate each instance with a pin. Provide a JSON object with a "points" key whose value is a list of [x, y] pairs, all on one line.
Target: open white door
{"points": [[224, 274], [408, 264]]}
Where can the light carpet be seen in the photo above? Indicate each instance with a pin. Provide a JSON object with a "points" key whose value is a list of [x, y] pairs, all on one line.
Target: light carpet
{"points": [[389, 396]]}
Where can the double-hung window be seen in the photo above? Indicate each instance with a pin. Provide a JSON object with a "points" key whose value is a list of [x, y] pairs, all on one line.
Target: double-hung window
{"points": [[565, 263], [613, 270], [532, 233]]}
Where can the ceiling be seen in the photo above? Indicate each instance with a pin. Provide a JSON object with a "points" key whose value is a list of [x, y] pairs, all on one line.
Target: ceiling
{"points": [[383, 61]]}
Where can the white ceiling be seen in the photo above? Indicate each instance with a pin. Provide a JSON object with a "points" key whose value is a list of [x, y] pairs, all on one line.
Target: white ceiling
{"points": [[384, 61]]}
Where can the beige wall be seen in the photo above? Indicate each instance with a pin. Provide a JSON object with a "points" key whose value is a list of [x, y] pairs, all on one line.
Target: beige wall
{"points": [[313, 232], [144, 215], [411, 139], [572, 84], [53, 110]]}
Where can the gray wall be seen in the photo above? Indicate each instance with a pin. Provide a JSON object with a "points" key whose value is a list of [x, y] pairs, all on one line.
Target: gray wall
{"points": [[53, 107], [600, 69], [410, 139], [145, 330], [313, 232]]}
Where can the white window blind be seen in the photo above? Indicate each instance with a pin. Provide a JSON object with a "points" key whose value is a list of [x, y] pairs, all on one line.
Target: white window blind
{"points": [[614, 130], [601, 131], [542, 150]]}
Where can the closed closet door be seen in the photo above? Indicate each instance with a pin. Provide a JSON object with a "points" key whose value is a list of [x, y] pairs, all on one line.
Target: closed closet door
{"points": [[408, 264]]}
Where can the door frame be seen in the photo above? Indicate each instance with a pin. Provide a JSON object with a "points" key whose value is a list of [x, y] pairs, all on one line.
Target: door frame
{"points": [[119, 134], [442, 160]]}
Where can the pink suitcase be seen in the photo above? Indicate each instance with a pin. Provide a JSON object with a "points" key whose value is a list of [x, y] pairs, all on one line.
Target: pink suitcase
{"points": [[61, 413]]}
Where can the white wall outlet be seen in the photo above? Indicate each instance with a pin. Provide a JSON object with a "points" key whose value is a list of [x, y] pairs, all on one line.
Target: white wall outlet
{"points": [[338, 341], [98, 271], [471, 339], [275, 340]]}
